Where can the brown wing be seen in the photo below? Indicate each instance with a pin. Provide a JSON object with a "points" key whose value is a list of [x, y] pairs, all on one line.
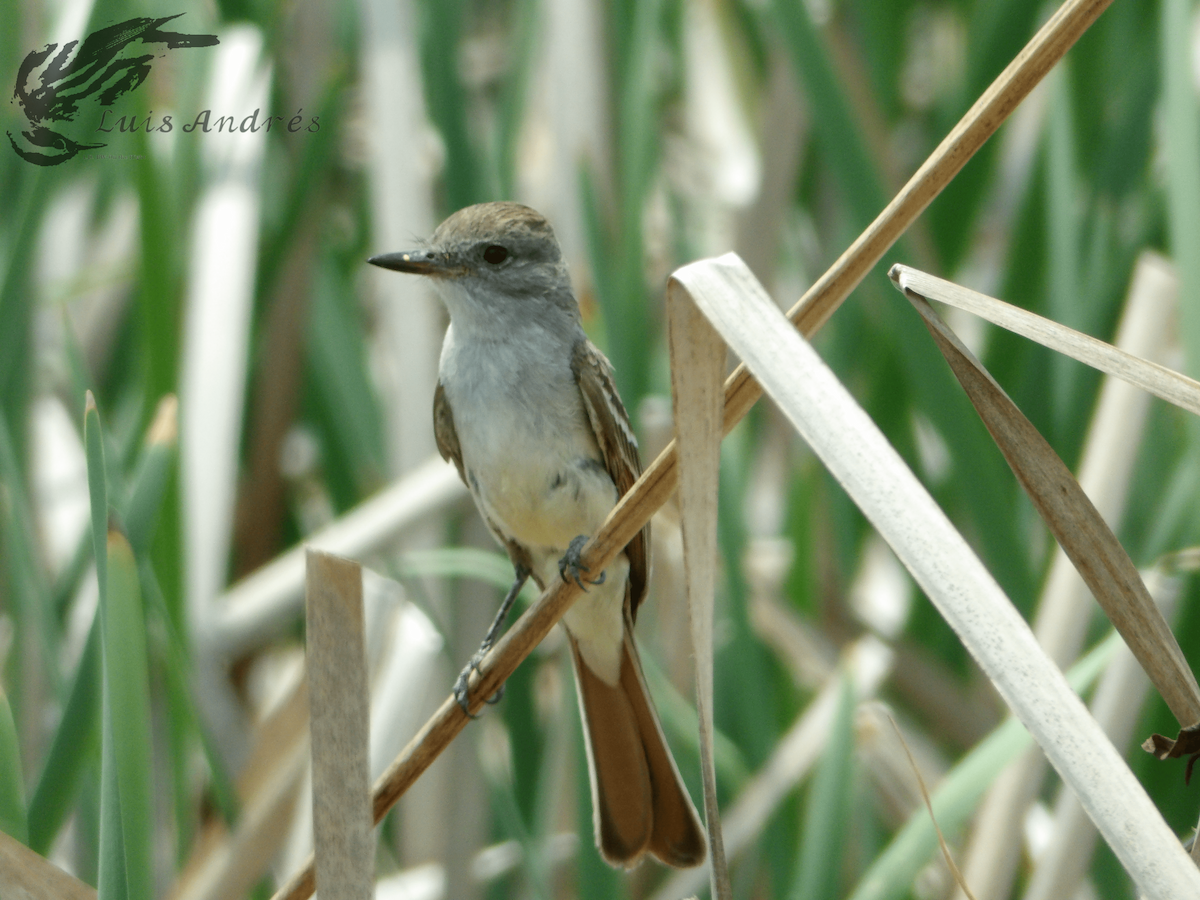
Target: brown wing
{"points": [[444, 432], [618, 448]]}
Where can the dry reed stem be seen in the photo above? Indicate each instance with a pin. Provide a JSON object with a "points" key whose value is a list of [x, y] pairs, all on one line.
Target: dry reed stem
{"points": [[657, 483], [29, 875]]}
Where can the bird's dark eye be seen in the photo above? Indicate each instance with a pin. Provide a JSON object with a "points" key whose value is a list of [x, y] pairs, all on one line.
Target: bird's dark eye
{"points": [[495, 254]]}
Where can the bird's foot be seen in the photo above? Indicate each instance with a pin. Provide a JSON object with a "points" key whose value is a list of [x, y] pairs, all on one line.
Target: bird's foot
{"points": [[571, 567], [462, 684]]}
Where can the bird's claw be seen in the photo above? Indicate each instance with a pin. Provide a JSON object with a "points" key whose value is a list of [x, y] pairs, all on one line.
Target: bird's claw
{"points": [[462, 686], [571, 566]]}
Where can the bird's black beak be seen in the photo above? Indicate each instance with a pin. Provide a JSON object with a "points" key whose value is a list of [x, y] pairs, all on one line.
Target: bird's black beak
{"points": [[416, 262]]}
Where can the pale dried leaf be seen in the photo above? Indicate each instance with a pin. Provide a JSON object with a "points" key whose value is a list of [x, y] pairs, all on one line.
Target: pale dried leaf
{"points": [[879, 482], [697, 375], [1065, 608], [343, 827], [1079, 529], [1151, 377]]}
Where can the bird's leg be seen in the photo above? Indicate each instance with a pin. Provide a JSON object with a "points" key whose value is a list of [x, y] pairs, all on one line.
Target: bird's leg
{"points": [[460, 686], [571, 565]]}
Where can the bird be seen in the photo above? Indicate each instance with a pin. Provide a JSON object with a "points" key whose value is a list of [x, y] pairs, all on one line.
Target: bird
{"points": [[527, 410]]}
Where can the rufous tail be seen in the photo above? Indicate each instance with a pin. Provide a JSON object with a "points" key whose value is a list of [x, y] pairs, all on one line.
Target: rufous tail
{"points": [[639, 802]]}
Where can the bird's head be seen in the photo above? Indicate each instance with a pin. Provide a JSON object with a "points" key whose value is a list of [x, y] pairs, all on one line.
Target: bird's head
{"points": [[502, 257]]}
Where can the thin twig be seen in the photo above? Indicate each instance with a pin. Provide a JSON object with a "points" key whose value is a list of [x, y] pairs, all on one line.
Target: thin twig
{"points": [[946, 854], [657, 483]]}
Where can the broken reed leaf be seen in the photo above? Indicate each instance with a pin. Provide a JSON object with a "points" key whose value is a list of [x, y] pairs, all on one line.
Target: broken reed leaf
{"points": [[697, 388], [1167, 384], [1187, 743], [336, 658], [1075, 523]]}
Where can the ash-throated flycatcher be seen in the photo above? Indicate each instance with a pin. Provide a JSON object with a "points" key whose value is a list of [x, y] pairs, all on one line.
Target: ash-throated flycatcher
{"points": [[527, 411]]}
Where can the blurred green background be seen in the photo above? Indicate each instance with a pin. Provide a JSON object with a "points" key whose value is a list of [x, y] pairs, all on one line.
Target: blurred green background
{"points": [[228, 269]]}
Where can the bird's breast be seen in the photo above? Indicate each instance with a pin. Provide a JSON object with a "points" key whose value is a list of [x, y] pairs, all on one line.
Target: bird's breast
{"points": [[531, 459]]}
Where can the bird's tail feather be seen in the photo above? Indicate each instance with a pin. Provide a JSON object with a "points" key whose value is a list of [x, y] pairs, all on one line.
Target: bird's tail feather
{"points": [[639, 802]]}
